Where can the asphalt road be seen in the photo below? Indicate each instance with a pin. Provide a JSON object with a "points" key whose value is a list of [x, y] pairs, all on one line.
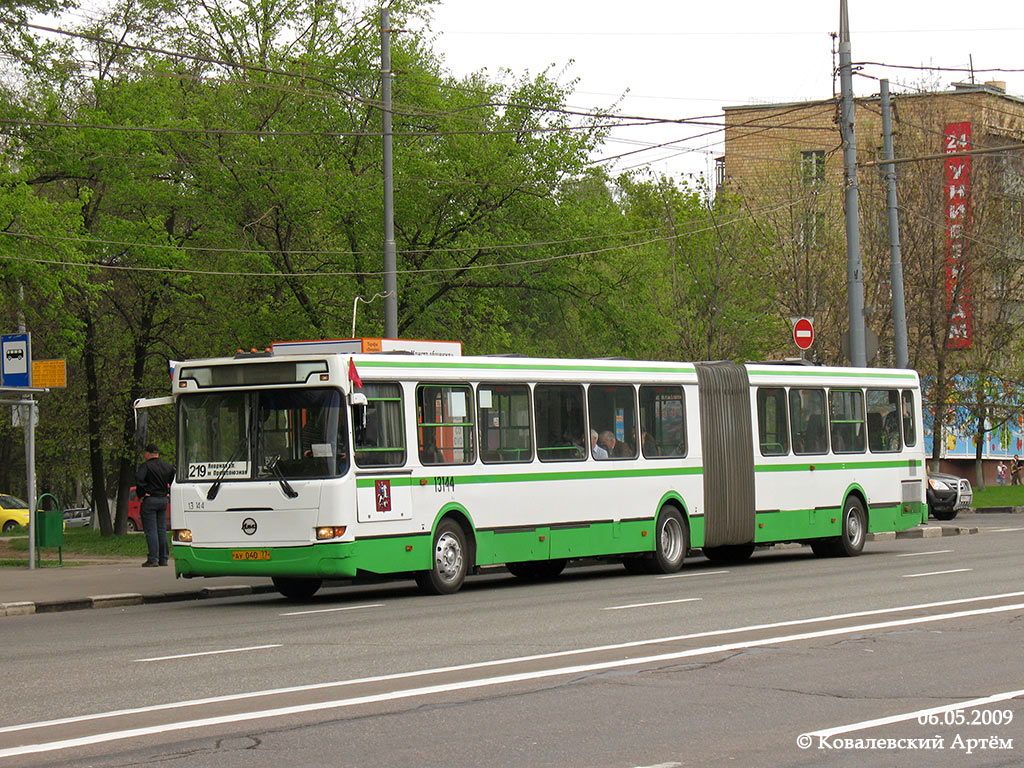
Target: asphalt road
{"points": [[906, 655]]}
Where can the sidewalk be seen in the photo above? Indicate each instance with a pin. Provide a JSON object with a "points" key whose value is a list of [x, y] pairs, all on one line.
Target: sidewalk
{"points": [[117, 582]]}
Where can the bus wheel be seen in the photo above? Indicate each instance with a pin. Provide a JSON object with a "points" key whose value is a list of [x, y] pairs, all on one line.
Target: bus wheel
{"points": [[449, 567], [670, 542], [297, 589], [855, 529], [733, 554]]}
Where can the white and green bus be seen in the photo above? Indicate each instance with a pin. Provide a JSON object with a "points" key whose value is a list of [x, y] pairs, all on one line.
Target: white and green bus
{"points": [[304, 464]]}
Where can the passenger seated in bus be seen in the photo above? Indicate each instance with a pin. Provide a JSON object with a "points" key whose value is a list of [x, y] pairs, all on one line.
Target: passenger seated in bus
{"points": [[616, 449], [596, 450], [649, 445]]}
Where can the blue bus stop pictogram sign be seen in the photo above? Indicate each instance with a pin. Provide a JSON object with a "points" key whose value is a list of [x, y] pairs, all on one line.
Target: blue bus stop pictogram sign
{"points": [[16, 358]]}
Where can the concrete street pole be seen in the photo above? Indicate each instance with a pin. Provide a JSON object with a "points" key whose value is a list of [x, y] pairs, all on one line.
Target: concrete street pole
{"points": [[390, 255], [854, 269], [899, 311]]}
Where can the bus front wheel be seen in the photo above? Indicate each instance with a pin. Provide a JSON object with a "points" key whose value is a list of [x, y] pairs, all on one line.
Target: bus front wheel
{"points": [[449, 562], [295, 588]]}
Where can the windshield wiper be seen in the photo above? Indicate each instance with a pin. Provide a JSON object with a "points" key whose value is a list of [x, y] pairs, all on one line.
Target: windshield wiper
{"points": [[272, 465], [212, 493]]}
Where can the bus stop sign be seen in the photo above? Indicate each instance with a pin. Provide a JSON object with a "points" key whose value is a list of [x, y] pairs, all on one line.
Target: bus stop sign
{"points": [[16, 359], [803, 333]]}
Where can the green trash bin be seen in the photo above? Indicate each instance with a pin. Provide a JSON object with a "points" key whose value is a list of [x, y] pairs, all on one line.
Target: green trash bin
{"points": [[49, 526]]}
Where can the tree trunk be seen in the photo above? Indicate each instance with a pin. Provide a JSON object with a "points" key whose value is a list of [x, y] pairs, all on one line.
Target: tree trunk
{"points": [[101, 510]]}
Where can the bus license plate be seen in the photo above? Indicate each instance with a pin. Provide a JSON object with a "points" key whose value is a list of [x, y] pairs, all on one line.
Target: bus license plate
{"points": [[250, 554]]}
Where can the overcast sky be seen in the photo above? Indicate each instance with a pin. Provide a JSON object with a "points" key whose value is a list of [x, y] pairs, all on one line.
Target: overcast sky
{"points": [[688, 59]]}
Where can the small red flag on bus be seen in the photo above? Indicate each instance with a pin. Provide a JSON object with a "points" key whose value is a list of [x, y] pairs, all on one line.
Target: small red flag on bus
{"points": [[353, 374]]}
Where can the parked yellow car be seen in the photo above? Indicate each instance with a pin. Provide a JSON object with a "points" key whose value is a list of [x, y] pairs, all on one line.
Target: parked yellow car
{"points": [[13, 512]]}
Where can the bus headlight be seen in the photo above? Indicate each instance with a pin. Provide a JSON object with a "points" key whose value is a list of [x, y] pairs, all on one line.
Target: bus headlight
{"points": [[330, 532], [183, 535]]}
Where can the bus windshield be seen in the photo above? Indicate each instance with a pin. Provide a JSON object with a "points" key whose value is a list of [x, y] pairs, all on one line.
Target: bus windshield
{"points": [[263, 434]]}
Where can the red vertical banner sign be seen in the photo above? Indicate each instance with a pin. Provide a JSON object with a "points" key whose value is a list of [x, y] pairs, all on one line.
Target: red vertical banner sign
{"points": [[957, 197]]}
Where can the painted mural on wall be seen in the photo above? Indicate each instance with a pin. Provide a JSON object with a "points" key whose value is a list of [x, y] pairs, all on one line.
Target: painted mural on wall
{"points": [[1004, 427]]}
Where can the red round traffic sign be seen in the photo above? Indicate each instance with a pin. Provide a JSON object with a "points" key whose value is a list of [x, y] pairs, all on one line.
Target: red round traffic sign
{"points": [[803, 333]]}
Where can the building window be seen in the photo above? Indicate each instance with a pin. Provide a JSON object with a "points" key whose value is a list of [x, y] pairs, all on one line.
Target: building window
{"points": [[812, 167], [812, 231]]}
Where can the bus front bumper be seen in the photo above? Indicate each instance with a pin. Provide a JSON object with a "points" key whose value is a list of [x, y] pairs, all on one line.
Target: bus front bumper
{"points": [[329, 561]]}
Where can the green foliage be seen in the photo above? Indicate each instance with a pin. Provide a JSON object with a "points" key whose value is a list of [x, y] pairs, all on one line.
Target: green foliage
{"points": [[85, 543], [159, 207], [999, 496]]}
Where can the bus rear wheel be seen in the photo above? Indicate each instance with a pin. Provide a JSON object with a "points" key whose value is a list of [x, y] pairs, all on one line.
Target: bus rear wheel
{"points": [[449, 562], [671, 541], [855, 529], [296, 588], [851, 542]]}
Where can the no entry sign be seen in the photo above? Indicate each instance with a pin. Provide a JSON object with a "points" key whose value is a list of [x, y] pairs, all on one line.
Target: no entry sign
{"points": [[803, 333]]}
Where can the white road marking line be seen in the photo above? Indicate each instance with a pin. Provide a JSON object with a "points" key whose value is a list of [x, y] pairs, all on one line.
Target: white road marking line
{"points": [[865, 724], [211, 653], [689, 575], [541, 674], [920, 554], [333, 610], [499, 662], [648, 605], [935, 573], [1004, 530]]}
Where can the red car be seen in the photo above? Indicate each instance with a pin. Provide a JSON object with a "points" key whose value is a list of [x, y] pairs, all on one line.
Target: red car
{"points": [[134, 521]]}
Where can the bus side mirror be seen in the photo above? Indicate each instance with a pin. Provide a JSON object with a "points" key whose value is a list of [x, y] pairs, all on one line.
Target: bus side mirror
{"points": [[358, 402]]}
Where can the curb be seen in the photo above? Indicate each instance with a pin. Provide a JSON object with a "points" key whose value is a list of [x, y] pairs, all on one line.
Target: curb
{"points": [[26, 608], [925, 532]]}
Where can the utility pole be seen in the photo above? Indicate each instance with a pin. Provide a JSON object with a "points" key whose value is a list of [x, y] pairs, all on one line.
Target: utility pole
{"points": [[854, 269], [390, 256], [27, 412], [899, 311]]}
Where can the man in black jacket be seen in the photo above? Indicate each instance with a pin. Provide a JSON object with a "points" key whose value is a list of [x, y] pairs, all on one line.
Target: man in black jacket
{"points": [[153, 487]]}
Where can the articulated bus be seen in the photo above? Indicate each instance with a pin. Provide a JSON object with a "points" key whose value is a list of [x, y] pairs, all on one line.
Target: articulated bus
{"points": [[304, 464]]}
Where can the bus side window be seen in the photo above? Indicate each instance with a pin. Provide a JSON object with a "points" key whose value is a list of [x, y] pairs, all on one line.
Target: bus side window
{"points": [[909, 427], [846, 420], [445, 424], [662, 421], [380, 439], [807, 421], [883, 420], [613, 416], [504, 422], [771, 421], [558, 414]]}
